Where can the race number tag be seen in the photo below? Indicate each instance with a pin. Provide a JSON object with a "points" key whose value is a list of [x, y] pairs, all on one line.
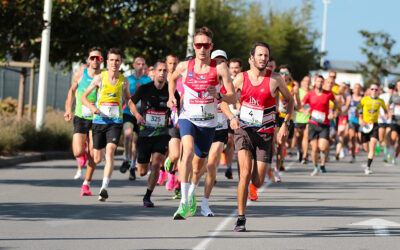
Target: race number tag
{"points": [[282, 108], [155, 119], [318, 116], [220, 118], [397, 110], [201, 109], [109, 110], [86, 112], [251, 114]]}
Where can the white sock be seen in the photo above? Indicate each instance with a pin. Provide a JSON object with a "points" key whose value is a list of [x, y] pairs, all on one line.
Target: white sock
{"points": [[106, 181], [184, 192], [79, 171], [204, 202], [192, 189], [86, 182]]}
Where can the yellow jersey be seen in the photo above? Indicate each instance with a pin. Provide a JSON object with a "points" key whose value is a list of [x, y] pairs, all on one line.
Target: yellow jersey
{"points": [[282, 110], [371, 108]]}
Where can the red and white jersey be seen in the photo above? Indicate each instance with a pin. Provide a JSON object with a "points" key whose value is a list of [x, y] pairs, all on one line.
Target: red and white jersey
{"points": [[257, 105], [319, 106], [222, 121], [198, 106]]}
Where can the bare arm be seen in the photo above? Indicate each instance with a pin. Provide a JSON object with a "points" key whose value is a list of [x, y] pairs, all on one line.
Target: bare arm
{"points": [[135, 112], [336, 106], [93, 85], [71, 95], [125, 90], [287, 96], [348, 100], [224, 74], [237, 84], [180, 70]]}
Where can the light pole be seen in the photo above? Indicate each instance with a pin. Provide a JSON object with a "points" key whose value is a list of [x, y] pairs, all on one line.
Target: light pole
{"points": [[323, 37], [192, 20]]}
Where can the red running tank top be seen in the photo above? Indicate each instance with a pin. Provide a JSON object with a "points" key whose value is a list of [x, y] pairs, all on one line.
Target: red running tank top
{"points": [[261, 96]]}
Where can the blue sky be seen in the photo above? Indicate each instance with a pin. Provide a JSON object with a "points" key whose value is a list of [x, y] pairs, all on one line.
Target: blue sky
{"points": [[345, 19]]}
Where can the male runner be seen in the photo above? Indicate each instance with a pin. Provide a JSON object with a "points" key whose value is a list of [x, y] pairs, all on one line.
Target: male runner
{"points": [[83, 116], [384, 126], [201, 81], [153, 119], [395, 125], [112, 89], [254, 129], [354, 125], [342, 129], [318, 126], [369, 122], [130, 126]]}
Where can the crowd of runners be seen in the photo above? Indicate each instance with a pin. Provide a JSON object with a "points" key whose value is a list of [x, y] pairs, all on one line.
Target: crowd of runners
{"points": [[181, 120]]}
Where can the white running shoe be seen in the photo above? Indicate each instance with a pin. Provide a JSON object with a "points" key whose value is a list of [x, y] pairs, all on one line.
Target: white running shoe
{"points": [[341, 154], [368, 171], [353, 159], [395, 161], [315, 172], [277, 177], [206, 211], [78, 175]]}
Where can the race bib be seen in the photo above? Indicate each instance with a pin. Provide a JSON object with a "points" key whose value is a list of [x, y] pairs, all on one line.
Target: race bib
{"points": [[201, 109], [397, 110], [220, 118], [282, 108], [352, 111], [109, 110], [318, 116], [86, 112], [252, 114], [155, 119]]}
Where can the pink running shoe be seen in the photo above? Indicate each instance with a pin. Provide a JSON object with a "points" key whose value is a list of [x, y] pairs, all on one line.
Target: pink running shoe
{"points": [[82, 160], [170, 185], [85, 191], [162, 177]]}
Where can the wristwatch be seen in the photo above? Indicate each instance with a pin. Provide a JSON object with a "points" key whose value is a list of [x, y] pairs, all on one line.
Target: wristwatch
{"points": [[287, 123], [219, 96]]}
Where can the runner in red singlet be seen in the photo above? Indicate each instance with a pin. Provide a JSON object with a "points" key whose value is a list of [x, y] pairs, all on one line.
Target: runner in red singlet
{"points": [[254, 128]]}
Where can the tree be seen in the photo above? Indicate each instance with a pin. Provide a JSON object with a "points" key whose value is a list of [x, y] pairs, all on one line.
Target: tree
{"points": [[380, 58]]}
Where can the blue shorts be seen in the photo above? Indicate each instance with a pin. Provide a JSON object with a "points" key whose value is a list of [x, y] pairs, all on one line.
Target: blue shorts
{"points": [[203, 137]]}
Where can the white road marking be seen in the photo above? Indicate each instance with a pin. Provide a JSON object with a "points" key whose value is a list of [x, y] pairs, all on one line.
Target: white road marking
{"points": [[379, 225]]}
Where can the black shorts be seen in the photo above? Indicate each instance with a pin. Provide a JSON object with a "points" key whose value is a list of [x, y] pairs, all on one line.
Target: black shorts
{"points": [[354, 126], [395, 127], [230, 130], [300, 125], [318, 131], [174, 133], [146, 146], [81, 125], [374, 133], [221, 136], [290, 128], [106, 133], [259, 144], [132, 120], [383, 125]]}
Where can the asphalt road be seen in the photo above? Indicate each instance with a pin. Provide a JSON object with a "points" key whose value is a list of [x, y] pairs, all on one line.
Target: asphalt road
{"points": [[41, 208]]}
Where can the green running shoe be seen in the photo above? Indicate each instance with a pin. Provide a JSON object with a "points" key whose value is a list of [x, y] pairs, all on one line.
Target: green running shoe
{"points": [[178, 194], [168, 165], [192, 204], [183, 211]]}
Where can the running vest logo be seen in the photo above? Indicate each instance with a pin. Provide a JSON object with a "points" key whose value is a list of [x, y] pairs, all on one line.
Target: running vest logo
{"points": [[190, 74], [111, 95], [253, 101], [262, 90], [371, 111], [201, 77]]}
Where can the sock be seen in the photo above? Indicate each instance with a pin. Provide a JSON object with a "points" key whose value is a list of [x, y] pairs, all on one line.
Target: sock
{"points": [[369, 163], [192, 189], [229, 167], [106, 181], [86, 182], [184, 192], [322, 166], [148, 193], [241, 217], [127, 157], [316, 166], [205, 201], [133, 163], [79, 171]]}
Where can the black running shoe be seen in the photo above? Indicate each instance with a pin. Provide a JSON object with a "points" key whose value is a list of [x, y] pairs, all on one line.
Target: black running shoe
{"points": [[125, 165], [147, 202], [132, 174], [103, 195], [240, 225], [228, 173]]}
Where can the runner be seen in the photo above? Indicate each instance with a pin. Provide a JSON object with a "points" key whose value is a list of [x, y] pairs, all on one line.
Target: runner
{"points": [[342, 130], [153, 120], [352, 102], [384, 127], [395, 125], [130, 126], [112, 88], [201, 81], [82, 137], [301, 121], [369, 122], [255, 131], [318, 126]]}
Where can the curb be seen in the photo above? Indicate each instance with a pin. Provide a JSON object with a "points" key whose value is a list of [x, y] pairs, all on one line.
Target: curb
{"points": [[45, 156]]}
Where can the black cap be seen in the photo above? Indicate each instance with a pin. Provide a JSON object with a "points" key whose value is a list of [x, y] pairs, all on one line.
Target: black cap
{"points": [[391, 86]]}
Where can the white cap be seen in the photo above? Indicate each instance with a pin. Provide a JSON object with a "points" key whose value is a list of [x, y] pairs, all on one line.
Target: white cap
{"points": [[217, 53]]}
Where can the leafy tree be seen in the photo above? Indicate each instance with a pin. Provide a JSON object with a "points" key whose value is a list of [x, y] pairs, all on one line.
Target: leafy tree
{"points": [[380, 58]]}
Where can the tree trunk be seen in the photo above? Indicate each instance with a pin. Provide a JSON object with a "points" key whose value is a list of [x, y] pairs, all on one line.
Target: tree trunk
{"points": [[21, 93]]}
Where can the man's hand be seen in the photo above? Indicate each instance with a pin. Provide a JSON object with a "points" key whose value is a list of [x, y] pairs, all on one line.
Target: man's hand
{"points": [[282, 134], [234, 123], [140, 120], [94, 109], [212, 91], [67, 116], [172, 102]]}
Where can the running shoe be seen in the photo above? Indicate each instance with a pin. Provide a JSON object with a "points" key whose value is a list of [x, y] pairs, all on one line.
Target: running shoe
{"points": [[341, 154], [168, 166], [357, 150], [253, 196], [222, 161], [103, 195], [368, 171], [206, 211], [323, 169], [78, 175], [132, 174], [304, 161], [170, 184], [395, 161], [182, 212], [147, 202], [178, 194], [277, 177], [353, 159], [270, 174], [378, 149], [315, 172], [240, 225], [299, 156], [161, 177], [124, 167], [282, 168], [228, 173], [192, 204], [337, 157], [85, 191], [82, 159]]}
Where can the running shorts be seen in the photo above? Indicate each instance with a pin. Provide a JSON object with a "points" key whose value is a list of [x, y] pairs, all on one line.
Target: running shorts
{"points": [[81, 125], [230, 130], [106, 133], [259, 144], [203, 136], [174, 133], [221, 136], [318, 131], [147, 145], [300, 125], [395, 127], [373, 134], [354, 126], [383, 125], [130, 119]]}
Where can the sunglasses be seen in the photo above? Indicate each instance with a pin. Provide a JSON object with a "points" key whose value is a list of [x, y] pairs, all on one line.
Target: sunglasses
{"points": [[204, 45], [98, 58], [284, 73], [373, 89]]}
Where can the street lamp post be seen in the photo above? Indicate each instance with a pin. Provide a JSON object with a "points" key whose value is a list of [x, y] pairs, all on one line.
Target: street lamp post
{"points": [[192, 20], [323, 37]]}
